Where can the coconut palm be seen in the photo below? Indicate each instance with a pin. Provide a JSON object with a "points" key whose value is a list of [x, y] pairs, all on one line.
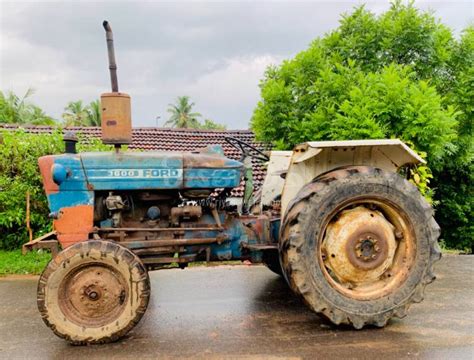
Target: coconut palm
{"points": [[17, 110], [75, 114], [93, 113], [181, 115], [39, 117]]}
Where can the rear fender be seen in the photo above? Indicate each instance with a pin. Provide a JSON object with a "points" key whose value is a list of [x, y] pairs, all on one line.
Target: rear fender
{"points": [[312, 159]]}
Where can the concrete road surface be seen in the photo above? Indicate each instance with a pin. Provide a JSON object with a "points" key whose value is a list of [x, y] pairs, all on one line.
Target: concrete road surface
{"points": [[247, 312]]}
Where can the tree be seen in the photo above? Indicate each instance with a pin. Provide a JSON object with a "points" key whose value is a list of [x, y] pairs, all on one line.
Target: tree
{"points": [[181, 115], [18, 110], [75, 114], [94, 114], [399, 74], [211, 125]]}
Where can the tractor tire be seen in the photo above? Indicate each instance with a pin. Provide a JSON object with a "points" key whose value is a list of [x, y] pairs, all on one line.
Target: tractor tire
{"points": [[358, 245], [271, 259], [93, 292]]}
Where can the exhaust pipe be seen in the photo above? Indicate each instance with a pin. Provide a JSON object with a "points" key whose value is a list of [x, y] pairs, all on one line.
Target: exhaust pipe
{"points": [[111, 53], [116, 107]]}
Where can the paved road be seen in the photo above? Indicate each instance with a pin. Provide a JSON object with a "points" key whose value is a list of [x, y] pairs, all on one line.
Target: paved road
{"points": [[248, 313]]}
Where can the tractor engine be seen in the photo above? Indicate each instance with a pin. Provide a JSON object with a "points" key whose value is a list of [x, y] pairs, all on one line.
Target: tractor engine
{"points": [[166, 207]]}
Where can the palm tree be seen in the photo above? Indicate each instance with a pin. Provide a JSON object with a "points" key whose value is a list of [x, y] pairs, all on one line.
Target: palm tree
{"points": [[39, 117], [75, 114], [94, 113], [14, 110], [17, 110], [181, 115]]}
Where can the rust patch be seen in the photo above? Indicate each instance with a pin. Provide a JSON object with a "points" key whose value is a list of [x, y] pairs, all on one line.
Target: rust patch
{"points": [[74, 224], [207, 161], [45, 164], [116, 118]]}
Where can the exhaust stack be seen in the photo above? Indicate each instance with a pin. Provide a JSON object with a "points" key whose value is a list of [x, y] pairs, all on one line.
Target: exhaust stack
{"points": [[116, 106]]}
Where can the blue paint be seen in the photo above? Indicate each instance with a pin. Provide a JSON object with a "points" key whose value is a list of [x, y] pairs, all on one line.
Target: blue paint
{"points": [[133, 171], [213, 149], [62, 199], [211, 178], [232, 247], [142, 171], [59, 173], [79, 175]]}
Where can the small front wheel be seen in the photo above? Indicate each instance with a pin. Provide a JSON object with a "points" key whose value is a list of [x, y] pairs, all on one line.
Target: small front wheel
{"points": [[93, 292]]}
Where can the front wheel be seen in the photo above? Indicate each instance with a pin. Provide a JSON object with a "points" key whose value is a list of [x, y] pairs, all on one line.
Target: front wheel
{"points": [[93, 292], [358, 244]]}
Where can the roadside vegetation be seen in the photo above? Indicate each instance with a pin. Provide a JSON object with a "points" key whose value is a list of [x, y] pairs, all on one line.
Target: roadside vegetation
{"points": [[14, 262], [401, 74]]}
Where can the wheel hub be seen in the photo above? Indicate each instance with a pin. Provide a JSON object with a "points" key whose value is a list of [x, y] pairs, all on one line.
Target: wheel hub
{"points": [[359, 245], [93, 294]]}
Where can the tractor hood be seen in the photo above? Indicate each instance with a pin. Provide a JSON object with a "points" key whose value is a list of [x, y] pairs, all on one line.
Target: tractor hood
{"points": [[205, 169]]}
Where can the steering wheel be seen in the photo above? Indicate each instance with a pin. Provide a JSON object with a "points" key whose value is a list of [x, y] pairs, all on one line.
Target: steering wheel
{"points": [[246, 149]]}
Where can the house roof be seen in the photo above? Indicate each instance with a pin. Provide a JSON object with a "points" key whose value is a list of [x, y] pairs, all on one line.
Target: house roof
{"points": [[170, 139]]}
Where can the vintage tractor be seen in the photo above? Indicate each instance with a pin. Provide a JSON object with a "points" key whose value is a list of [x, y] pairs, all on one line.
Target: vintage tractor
{"points": [[350, 235]]}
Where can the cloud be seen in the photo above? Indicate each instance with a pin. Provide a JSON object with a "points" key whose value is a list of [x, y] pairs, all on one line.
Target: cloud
{"points": [[215, 52]]}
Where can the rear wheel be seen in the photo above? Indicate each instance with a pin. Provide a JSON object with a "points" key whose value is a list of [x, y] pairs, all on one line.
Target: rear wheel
{"points": [[93, 292], [358, 244]]}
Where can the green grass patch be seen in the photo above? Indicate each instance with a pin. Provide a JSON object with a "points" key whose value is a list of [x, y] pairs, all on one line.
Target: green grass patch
{"points": [[13, 262], [33, 263]]}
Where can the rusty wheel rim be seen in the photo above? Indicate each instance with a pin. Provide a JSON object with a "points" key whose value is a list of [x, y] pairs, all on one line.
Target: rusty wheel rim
{"points": [[93, 295], [367, 248]]}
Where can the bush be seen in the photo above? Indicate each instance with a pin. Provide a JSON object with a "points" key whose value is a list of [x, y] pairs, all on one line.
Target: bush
{"points": [[19, 173], [399, 74]]}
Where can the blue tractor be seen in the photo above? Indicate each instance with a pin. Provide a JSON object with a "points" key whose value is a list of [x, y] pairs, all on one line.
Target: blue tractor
{"points": [[337, 220]]}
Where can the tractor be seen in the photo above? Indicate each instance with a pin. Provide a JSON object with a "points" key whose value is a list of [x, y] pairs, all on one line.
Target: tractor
{"points": [[338, 220]]}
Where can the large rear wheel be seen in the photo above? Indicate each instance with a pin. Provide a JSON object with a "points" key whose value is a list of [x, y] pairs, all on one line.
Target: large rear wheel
{"points": [[93, 292], [358, 244]]}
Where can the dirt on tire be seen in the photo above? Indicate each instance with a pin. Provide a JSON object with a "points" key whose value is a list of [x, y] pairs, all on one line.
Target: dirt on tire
{"points": [[303, 228], [93, 292]]}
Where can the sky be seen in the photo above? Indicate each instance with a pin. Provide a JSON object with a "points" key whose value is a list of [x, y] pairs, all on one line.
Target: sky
{"points": [[215, 52]]}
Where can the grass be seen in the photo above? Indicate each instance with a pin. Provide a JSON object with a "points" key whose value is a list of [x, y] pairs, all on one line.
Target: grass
{"points": [[13, 262], [33, 263]]}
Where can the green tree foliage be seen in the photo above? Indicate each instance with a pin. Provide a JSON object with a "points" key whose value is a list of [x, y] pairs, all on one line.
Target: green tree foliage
{"points": [[18, 110], [454, 178], [94, 113], [19, 173], [182, 115], [78, 114], [399, 74], [211, 125]]}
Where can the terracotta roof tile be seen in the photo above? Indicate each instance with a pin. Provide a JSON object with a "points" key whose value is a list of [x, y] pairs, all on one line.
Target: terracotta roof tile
{"points": [[169, 139]]}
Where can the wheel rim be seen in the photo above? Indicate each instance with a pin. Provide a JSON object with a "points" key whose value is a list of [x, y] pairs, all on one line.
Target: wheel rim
{"points": [[93, 295], [367, 248]]}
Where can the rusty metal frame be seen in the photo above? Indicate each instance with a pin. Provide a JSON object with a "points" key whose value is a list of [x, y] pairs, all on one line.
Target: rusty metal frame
{"points": [[45, 241]]}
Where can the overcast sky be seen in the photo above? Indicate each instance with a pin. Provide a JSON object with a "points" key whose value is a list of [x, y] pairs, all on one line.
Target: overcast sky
{"points": [[215, 52]]}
